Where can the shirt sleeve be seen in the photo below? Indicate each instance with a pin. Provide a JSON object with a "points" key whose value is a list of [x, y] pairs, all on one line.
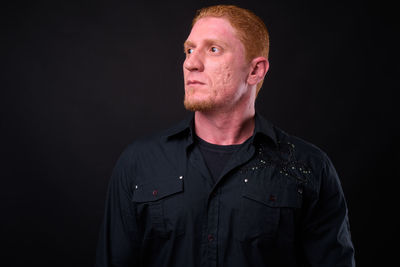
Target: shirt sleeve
{"points": [[118, 242], [326, 232]]}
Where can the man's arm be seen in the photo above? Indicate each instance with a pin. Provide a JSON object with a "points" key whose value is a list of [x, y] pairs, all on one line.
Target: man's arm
{"points": [[326, 232], [118, 245]]}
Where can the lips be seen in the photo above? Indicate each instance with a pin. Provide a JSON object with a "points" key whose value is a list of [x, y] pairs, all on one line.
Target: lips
{"points": [[194, 82]]}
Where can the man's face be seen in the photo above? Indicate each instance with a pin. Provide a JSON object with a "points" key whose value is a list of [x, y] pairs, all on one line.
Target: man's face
{"points": [[215, 69]]}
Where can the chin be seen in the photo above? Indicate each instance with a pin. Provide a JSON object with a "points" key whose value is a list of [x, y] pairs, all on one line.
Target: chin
{"points": [[198, 105]]}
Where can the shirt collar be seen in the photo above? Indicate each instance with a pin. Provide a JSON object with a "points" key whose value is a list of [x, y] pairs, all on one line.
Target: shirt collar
{"points": [[186, 127], [264, 128]]}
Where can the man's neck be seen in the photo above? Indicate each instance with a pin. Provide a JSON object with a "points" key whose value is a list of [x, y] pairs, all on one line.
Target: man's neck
{"points": [[225, 128]]}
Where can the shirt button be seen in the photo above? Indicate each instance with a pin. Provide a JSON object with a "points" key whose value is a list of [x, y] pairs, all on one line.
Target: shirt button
{"points": [[210, 238], [300, 190]]}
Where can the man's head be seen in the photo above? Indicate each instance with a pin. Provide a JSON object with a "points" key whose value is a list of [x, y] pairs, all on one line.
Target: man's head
{"points": [[250, 29], [226, 54]]}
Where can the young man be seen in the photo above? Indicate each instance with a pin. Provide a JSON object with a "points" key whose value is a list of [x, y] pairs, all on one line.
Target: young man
{"points": [[225, 188]]}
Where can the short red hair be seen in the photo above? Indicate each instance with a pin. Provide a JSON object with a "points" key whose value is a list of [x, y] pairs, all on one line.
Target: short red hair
{"points": [[250, 29]]}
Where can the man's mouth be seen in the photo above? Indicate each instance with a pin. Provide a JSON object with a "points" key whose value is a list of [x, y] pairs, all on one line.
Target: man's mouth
{"points": [[193, 82]]}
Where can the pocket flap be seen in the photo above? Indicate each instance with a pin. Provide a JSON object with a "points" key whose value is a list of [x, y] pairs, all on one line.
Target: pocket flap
{"points": [[157, 190], [274, 196]]}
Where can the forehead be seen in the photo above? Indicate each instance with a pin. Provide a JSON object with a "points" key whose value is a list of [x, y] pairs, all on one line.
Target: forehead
{"points": [[212, 28]]}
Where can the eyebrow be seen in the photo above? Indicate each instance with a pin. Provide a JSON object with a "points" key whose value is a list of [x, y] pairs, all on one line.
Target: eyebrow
{"points": [[206, 41], [188, 44]]}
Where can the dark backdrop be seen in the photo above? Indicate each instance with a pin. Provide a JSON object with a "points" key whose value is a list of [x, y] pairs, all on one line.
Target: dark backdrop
{"points": [[80, 81]]}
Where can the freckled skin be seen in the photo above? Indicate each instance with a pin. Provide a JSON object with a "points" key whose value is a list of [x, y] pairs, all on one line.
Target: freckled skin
{"points": [[223, 73]]}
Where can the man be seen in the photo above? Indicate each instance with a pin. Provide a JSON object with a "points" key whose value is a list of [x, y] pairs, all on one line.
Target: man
{"points": [[225, 187]]}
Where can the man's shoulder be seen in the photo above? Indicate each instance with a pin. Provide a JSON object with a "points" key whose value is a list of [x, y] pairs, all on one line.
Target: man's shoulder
{"points": [[303, 160], [159, 139], [154, 155], [285, 142], [299, 148]]}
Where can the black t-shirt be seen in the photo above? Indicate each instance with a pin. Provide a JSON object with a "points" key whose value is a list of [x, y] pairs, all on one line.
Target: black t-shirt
{"points": [[216, 156]]}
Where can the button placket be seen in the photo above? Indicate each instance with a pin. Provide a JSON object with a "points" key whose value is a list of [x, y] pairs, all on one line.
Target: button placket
{"points": [[212, 227], [210, 237]]}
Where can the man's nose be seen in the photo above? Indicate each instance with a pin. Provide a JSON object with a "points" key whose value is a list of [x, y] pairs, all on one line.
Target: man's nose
{"points": [[194, 62]]}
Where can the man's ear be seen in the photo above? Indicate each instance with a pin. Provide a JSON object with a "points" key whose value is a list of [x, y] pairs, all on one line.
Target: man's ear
{"points": [[259, 67]]}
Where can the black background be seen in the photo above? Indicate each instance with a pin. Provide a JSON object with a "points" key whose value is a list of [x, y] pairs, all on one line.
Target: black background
{"points": [[81, 80]]}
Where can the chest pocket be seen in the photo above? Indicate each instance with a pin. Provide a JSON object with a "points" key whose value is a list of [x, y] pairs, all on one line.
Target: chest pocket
{"points": [[263, 209], [159, 208]]}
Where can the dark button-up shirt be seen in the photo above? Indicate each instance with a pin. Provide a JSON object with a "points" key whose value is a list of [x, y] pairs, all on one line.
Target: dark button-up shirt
{"points": [[278, 202]]}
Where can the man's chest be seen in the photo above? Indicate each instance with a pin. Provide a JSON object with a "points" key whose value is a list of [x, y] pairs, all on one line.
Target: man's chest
{"points": [[246, 202]]}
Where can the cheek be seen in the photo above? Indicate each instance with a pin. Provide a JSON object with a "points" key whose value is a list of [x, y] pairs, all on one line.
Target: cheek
{"points": [[223, 75]]}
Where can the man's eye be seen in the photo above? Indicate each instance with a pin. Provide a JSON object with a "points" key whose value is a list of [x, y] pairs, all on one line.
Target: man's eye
{"points": [[189, 50], [214, 49]]}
